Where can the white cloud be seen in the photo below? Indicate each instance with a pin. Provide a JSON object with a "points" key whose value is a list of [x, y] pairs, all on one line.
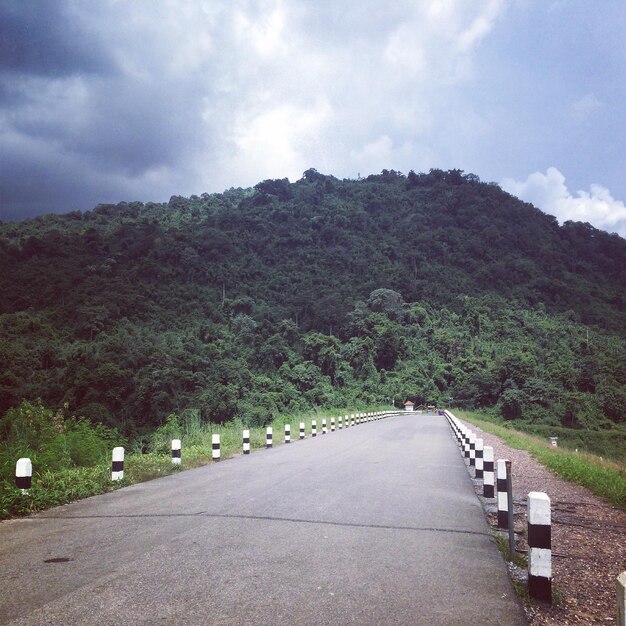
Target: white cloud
{"points": [[549, 193], [586, 107]]}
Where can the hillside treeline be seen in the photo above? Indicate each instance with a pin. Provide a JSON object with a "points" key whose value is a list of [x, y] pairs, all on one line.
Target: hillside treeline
{"points": [[431, 287]]}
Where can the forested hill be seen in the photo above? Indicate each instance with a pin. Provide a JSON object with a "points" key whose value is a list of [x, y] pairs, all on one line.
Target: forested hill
{"points": [[288, 295]]}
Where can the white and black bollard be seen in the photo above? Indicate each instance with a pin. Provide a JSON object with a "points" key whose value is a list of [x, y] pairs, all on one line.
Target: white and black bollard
{"points": [[117, 464], [480, 450], [340, 422], [302, 433], [472, 449], [332, 424], [503, 499], [287, 433], [216, 451], [539, 547], [352, 420], [268, 437], [24, 475], [324, 427], [176, 451], [246, 442], [313, 428], [488, 473]]}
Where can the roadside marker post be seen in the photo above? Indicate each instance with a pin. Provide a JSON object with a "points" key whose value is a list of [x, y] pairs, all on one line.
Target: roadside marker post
{"points": [[324, 428], [480, 465], [488, 473], [268, 437], [117, 464], [332, 424], [313, 428], [472, 449], [287, 433], [302, 430], [24, 475], [176, 452], [540, 547], [216, 452], [503, 500], [246, 441]]}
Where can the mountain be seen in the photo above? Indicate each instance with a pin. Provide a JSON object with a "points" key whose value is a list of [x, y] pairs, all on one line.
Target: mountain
{"points": [[319, 292]]}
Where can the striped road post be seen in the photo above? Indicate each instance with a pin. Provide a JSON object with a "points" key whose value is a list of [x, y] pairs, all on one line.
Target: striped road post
{"points": [[301, 430], [466, 444], [539, 547], [117, 464], [176, 451], [324, 428], [480, 450], [503, 500], [488, 473], [24, 474], [472, 449], [313, 428], [340, 422], [216, 452], [246, 441], [287, 433], [332, 424], [268, 437], [352, 420]]}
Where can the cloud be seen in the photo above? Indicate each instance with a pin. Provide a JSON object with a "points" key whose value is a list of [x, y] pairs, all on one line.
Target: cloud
{"points": [[45, 38], [586, 107], [142, 100], [549, 193]]}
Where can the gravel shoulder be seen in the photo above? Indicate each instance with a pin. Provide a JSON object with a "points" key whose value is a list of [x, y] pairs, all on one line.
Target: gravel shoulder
{"points": [[588, 541]]}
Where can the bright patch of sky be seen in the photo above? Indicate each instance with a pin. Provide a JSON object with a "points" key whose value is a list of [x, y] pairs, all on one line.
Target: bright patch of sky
{"points": [[111, 101]]}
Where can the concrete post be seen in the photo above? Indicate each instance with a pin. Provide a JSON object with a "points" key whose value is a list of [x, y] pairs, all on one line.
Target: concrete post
{"points": [[216, 451], [176, 451], [488, 473], [24, 474], [539, 547], [117, 464], [503, 500]]}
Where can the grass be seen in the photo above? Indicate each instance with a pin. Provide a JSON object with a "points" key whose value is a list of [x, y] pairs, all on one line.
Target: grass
{"points": [[53, 488], [604, 478], [503, 545]]}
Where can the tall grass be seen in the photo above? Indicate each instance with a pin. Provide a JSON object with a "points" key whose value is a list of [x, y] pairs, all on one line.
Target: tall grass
{"points": [[605, 478], [66, 480]]}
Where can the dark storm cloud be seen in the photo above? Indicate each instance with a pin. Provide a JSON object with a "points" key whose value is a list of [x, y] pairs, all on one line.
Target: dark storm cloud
{"points": [[78, 128], [110, 100], [42, 38]]}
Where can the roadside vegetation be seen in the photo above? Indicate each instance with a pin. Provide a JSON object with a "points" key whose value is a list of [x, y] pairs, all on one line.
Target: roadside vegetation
{"points": [[72, 459], [600, 475]]}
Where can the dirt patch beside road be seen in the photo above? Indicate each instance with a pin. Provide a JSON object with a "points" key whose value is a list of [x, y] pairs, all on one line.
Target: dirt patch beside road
{"points": [[588, 541]]}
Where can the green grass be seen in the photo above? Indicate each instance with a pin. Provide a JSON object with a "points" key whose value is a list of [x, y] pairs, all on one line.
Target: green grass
{"points": [[60, 486], [604, 478]]}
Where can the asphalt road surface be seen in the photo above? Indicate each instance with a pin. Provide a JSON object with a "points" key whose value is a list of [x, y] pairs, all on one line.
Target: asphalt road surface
{"points": [[376, 524]]}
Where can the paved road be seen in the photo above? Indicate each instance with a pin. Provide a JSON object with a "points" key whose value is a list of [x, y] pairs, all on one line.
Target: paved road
{"points": [[377, 524]]}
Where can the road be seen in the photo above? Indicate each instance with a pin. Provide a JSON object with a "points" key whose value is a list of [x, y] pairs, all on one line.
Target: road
{"points": [[376, 524]]}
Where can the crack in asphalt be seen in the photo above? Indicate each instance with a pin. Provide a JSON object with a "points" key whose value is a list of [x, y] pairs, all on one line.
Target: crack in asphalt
{"points": [[268, 518]]}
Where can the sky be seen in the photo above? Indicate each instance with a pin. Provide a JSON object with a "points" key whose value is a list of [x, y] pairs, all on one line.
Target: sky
{"points": [[112, 100]]}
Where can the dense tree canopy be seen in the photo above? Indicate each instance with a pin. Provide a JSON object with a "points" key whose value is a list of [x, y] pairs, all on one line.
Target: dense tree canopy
{"points": [[433, 287]]}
